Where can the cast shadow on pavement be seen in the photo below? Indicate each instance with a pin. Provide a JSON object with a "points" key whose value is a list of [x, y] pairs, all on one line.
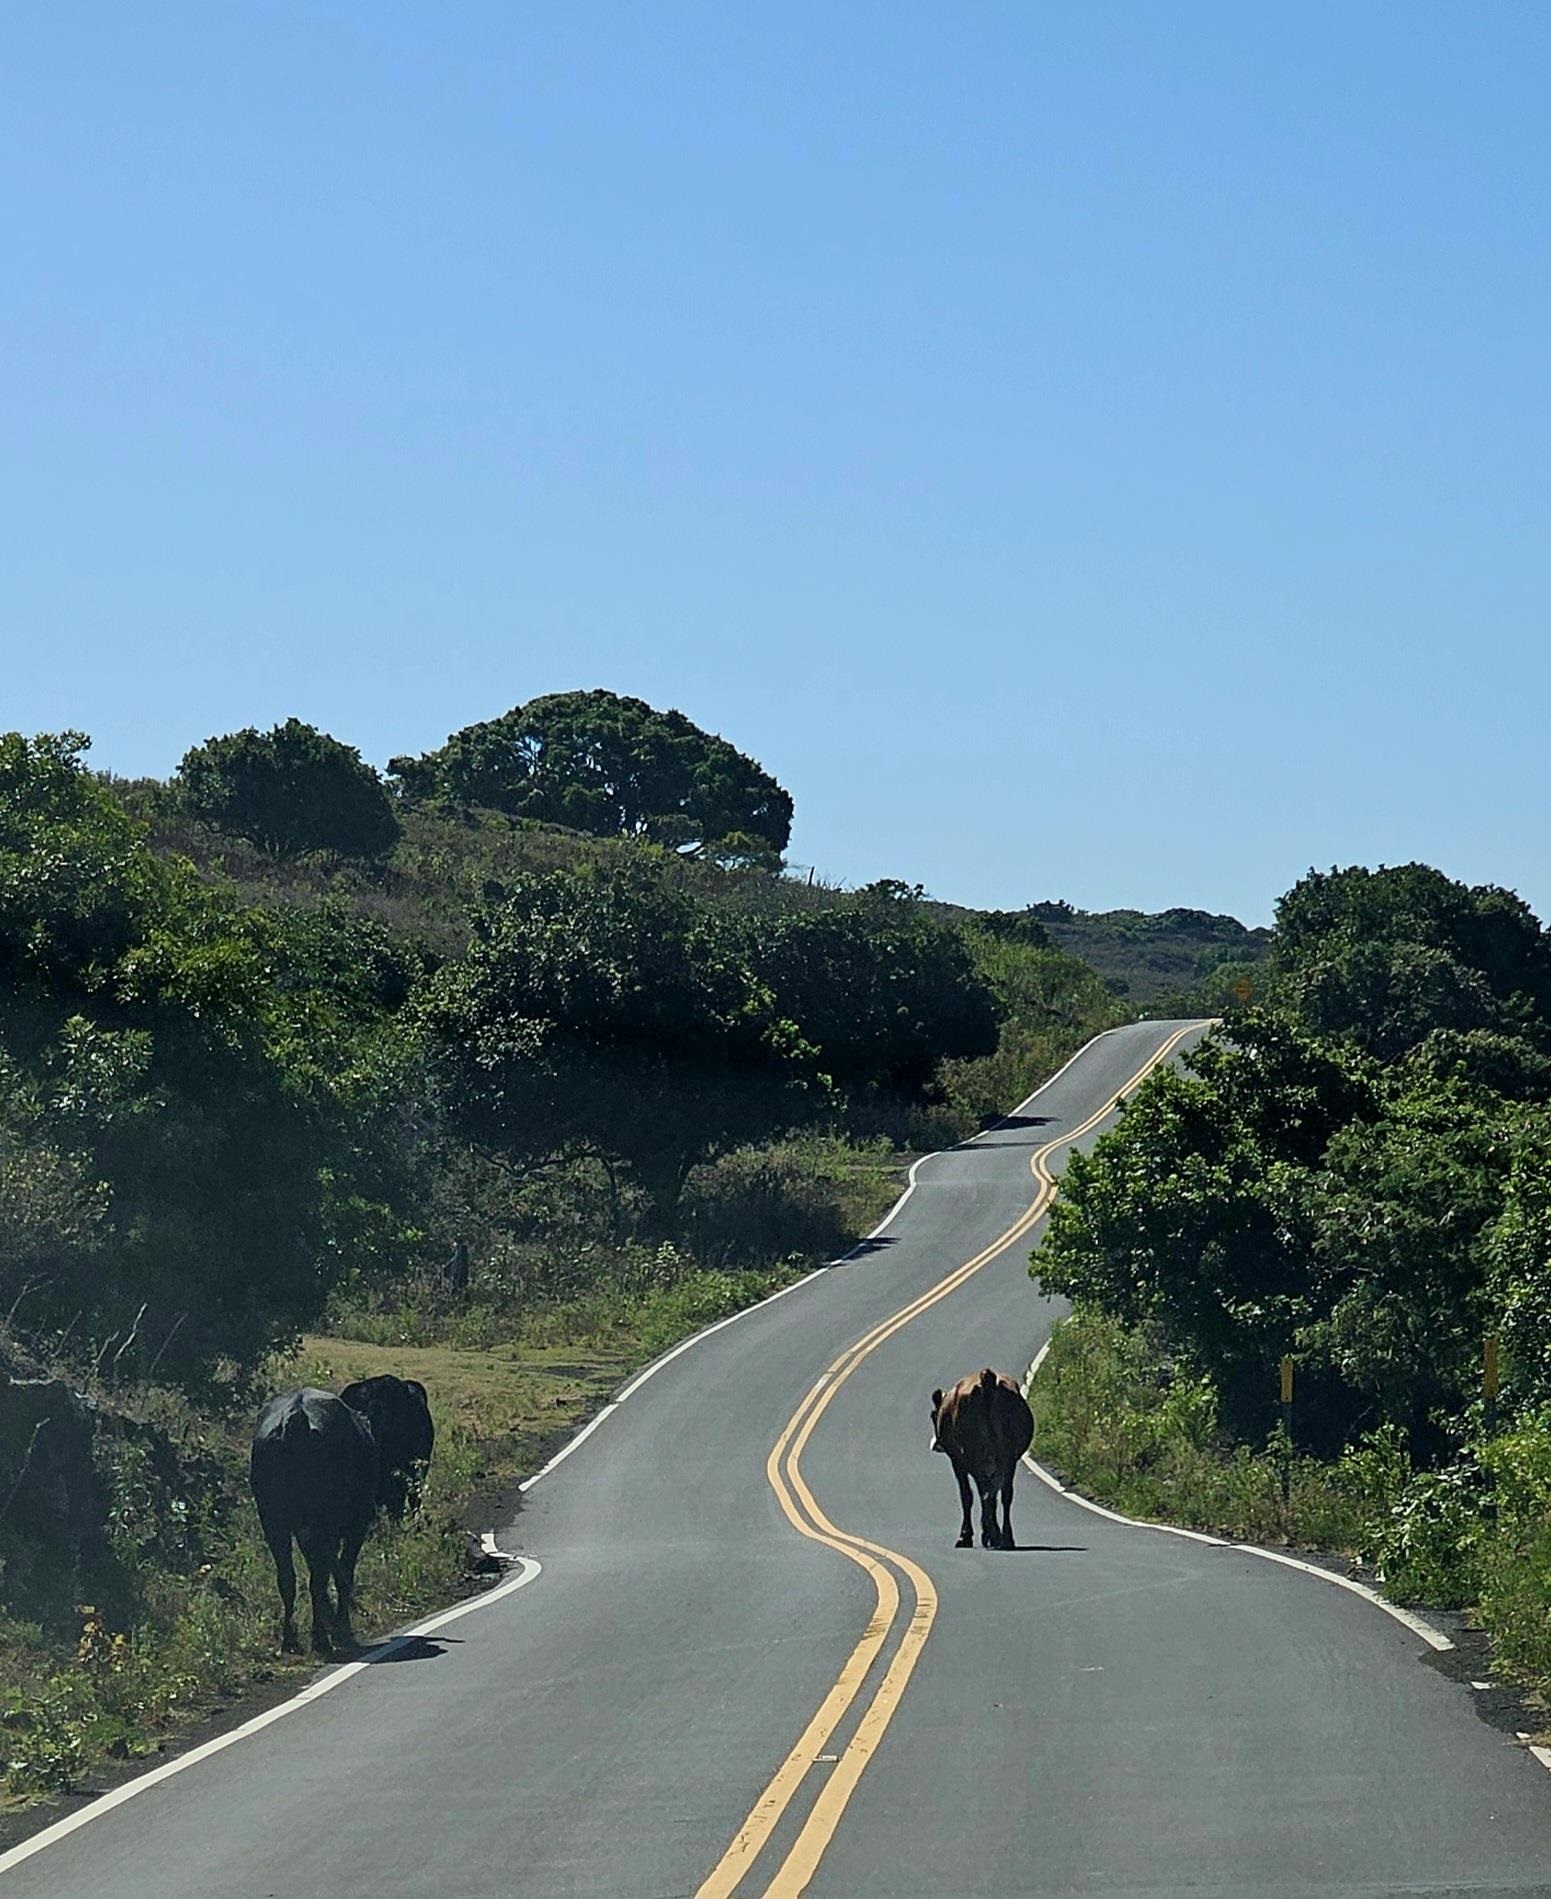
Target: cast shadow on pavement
{"points": [[416, 1648], [864, 1247]]}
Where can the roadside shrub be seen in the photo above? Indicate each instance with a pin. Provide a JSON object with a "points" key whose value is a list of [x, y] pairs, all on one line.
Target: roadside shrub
{"points": [[1428, 1547], [1140, 1432], [758, 1205]]}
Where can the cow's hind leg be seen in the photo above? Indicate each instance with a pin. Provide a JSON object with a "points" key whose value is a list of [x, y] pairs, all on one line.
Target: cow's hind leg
{"points": [[990, 1531], [967, 1499], [1007, 1539], [344, 1581], [321, 1552], [278, 1537]]}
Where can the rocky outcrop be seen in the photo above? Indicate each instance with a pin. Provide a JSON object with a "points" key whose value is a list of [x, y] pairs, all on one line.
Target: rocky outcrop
{"points": [[50, 1487]]}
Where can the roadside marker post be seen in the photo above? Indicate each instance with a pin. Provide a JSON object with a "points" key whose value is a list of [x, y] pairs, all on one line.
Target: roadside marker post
{"points": [[1287, 1391], [1489, 1382]]}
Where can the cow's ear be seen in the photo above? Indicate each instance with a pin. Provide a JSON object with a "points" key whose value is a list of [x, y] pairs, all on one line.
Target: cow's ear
{"points": [[415, 1386], [937, 1398]]}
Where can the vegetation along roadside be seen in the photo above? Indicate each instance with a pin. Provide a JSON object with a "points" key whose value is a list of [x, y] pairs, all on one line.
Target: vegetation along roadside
{"points": [[505, 1074], [1354, 1174]]}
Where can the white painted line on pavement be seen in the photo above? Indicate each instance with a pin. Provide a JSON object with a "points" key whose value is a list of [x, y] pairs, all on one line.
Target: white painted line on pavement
{"points": [[570, 1445], [1434, 1638], [528, 1571], [528, 1568], [1039, 1358], [887, 1221], [695, 1338], [1051, 1080], [1134, 1523], [1542, 1754]]}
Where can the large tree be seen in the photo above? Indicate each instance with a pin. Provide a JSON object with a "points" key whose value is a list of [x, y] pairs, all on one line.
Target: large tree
{"points": [[609, 765], [291, 789], [1384, 958], [1355, 1173], [606, 1010], [181, 1135], [883, 990]]}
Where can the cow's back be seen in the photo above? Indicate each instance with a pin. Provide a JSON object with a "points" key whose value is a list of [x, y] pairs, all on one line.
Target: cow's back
{"points": [[314, 1462], [985, 1423]]}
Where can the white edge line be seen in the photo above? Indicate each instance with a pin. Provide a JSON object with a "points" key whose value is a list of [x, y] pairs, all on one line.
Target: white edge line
{"points": [[1001, 1121], [528, 1571], [887, 1221], [1434, 1638], [570, 1445], [685, 1344], [529, 1568], [1542, 1754]]}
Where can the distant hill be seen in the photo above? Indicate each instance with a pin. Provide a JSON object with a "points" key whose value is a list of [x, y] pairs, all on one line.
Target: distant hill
{"points": [[1142, 957]]}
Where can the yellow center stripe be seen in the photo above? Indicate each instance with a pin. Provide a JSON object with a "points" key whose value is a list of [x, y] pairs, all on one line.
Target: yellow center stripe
{"points": [[784, 1473]]}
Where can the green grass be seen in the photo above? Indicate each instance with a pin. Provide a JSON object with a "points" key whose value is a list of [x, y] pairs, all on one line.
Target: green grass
{"points": [[1124, 1425], [197, 1623]]}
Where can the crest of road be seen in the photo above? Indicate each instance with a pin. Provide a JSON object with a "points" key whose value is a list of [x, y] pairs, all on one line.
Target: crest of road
{"points": [[750, 1660]]}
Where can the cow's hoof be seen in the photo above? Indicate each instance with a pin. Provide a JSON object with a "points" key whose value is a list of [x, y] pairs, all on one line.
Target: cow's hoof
{"points": [[965, 1542], [290, 1644], [321, 1645]]}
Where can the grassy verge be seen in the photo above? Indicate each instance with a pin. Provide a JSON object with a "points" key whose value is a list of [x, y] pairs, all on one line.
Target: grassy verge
{"points": [[1122, 1423], [177, 1616]]}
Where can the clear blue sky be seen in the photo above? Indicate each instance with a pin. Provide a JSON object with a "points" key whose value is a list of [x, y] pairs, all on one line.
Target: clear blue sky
{"points": [[1083, 450]]}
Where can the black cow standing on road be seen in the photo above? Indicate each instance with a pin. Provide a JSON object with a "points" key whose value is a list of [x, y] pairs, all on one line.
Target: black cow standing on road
{"points": [[314, 1473], [400, 1418]]}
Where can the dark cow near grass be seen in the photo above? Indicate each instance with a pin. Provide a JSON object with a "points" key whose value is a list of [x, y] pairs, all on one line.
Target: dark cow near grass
{"points": [[314, 1474], [983, 1425], [399, 1414]]}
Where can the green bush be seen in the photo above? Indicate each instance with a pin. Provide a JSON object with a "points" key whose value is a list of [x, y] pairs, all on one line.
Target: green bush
{"points": [[1429, 1546], [1125, 1424]]}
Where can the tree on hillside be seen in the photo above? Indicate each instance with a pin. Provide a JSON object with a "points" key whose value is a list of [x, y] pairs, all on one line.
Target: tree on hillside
{"points": [[882, 989], [1384, 958], [168, 1141], [607, 1011], [1197, 1212], [291, 789], [1014, 926], [609, 765]]}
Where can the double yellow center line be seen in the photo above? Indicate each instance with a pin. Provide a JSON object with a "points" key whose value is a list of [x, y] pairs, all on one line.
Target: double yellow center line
{"points": [[783, 1469]]}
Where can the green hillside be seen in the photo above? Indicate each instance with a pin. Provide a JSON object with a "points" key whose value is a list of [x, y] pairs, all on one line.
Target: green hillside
{"points": [[303, 1075], [1144, 958]]}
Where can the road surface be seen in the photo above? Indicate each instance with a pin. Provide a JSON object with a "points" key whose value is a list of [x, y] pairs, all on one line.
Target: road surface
{"points": [[754, 1663]]}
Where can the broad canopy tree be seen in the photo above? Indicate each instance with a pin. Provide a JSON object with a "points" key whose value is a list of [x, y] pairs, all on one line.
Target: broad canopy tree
{"points": [[609, 765], [611, 1010], [607, 1011], [290, 790], [883, 990]]}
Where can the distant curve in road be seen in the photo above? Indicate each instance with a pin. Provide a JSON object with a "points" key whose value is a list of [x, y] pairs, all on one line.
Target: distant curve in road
{"points": [[1105, 1711]]}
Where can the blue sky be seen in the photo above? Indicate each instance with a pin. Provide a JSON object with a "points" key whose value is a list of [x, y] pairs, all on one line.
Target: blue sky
{"points": [[1088, 450]]}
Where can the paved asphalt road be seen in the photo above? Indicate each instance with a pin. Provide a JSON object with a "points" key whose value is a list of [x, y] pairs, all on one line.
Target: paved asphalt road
{"points": [[1106, 1711]]}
